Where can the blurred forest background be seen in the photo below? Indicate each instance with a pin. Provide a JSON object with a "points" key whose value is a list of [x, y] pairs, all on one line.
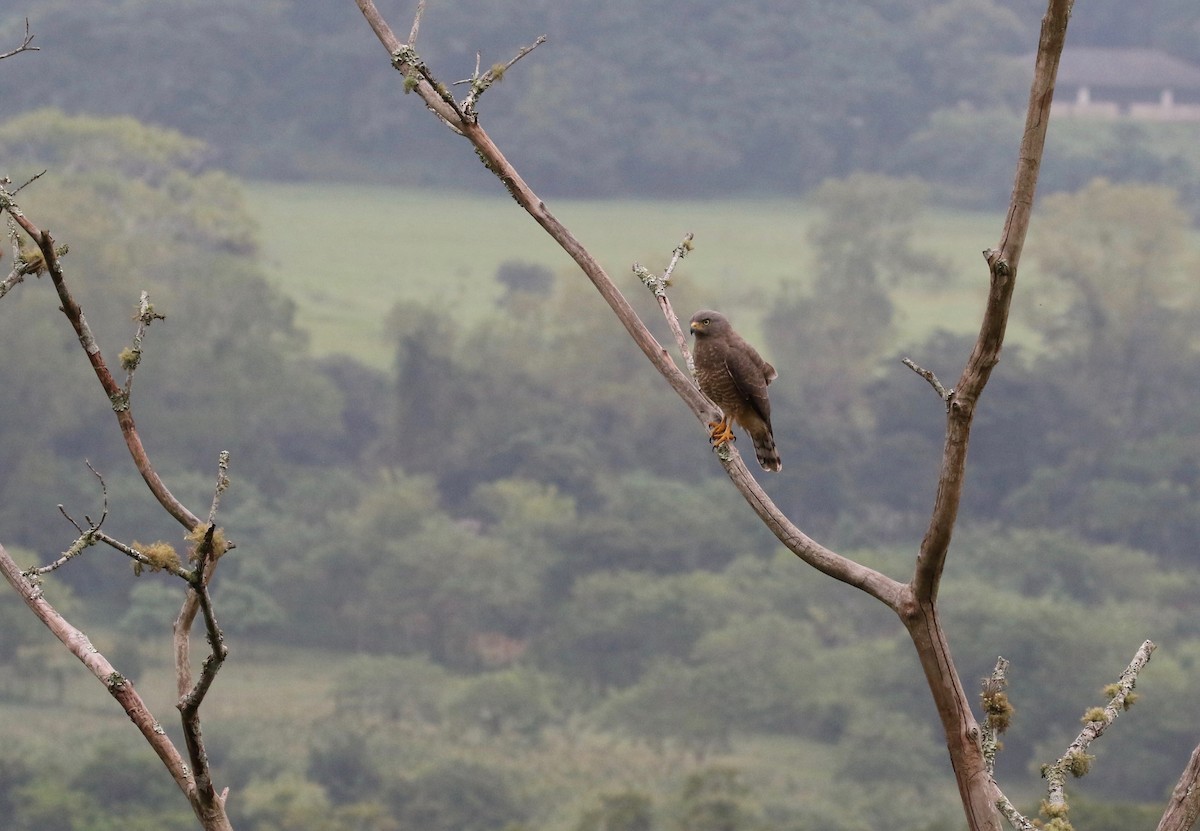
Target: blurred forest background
{"points": [[488, 575]]}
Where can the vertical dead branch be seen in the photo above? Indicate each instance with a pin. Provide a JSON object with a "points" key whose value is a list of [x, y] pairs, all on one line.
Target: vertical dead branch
{"points": [[1002, 263], [978, 791]]}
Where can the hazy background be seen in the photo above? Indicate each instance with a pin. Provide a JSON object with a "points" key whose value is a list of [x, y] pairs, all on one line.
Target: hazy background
{"points": [[488, 574]]}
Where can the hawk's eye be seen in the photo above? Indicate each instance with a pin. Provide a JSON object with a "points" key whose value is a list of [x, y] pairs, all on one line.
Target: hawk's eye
{"points": [[706, 321]]}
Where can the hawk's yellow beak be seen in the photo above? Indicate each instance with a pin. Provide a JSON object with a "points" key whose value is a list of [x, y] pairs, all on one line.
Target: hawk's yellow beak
{"points": [[695, 327]]}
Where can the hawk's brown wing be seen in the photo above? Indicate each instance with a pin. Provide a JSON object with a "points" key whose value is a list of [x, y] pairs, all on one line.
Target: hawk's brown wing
{"points": [[750, 381]]}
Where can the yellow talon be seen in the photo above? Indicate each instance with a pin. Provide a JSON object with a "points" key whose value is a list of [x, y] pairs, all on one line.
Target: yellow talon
{"points": [[720, 432]]}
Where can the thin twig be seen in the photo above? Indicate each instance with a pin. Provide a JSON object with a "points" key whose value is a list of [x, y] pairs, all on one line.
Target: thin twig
{"points": [[17, 275], [412, 35], [221, 486], [995, 702], [85, 540], [131, 358], [947, 395], [1015, 818], [480, 83], [658, 286], [154, 564], [29, 181], [25, 44]]}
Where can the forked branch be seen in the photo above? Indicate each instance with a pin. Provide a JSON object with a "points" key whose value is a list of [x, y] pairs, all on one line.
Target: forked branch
{"points": [[209, 807], [915, 601], [658, 284], [1075, 761], [26, 44]]}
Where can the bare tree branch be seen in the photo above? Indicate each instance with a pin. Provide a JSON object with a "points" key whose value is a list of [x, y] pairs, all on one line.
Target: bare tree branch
{"points": [[480, 83], [998, 711], [947, 395], [658, 287], [412, 34]]}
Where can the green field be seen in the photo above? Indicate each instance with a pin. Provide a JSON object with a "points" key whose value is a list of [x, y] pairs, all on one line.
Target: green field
{"points": [[347, 254], [270, 701]]}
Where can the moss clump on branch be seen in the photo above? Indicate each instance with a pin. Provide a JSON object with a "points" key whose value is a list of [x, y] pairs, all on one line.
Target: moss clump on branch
{"points": [[199, 537], [998, 708], [159, 555]]}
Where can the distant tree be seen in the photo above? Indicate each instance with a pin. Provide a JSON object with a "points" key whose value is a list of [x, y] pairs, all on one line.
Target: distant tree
{"points": [[340, 759], [518, 277], [457, 797], [1119, 298], [624, 811], [520, 702], [715, 799], [863, 241], [1118, 307]]}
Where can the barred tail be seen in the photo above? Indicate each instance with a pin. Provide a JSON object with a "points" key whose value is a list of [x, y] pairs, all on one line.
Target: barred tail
{"points": [[764, 449]]}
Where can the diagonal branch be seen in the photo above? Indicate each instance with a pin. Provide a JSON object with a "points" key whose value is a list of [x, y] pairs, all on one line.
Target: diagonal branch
{"points": [[658, 283], [841, 568], [117, 685], [116, 394], [1075, 760]]}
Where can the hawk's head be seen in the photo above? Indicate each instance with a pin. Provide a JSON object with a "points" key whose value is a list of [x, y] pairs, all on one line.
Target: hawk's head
{"points": [[707, 322]]}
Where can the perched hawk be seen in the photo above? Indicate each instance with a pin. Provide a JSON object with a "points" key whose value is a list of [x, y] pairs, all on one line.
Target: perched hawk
{"points": [[735, 377]]}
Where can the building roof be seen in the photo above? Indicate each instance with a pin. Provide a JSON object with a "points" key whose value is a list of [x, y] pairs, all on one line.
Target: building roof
{"points": [[1125, 69]]}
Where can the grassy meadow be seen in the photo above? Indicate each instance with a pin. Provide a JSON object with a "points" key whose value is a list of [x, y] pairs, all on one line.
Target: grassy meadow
{"points": [[270, 700], [347, 254]]}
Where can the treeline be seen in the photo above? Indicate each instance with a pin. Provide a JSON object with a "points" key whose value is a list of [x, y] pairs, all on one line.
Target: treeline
{"points": [[629, 97], [524, 535]]}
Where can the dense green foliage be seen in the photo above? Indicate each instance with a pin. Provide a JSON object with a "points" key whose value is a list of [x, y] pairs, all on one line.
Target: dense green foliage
{"points": [[559, 615], [627, 97]]}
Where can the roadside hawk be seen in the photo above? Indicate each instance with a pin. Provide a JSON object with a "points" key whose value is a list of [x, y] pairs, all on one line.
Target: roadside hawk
{"points": [[735, 377]]}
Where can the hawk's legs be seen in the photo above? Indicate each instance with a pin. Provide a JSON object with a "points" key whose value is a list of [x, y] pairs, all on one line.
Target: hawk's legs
{"points": [[720, 432]]}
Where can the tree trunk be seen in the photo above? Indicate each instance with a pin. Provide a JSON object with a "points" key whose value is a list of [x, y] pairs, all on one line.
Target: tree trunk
{"points": [[976, 787]]}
